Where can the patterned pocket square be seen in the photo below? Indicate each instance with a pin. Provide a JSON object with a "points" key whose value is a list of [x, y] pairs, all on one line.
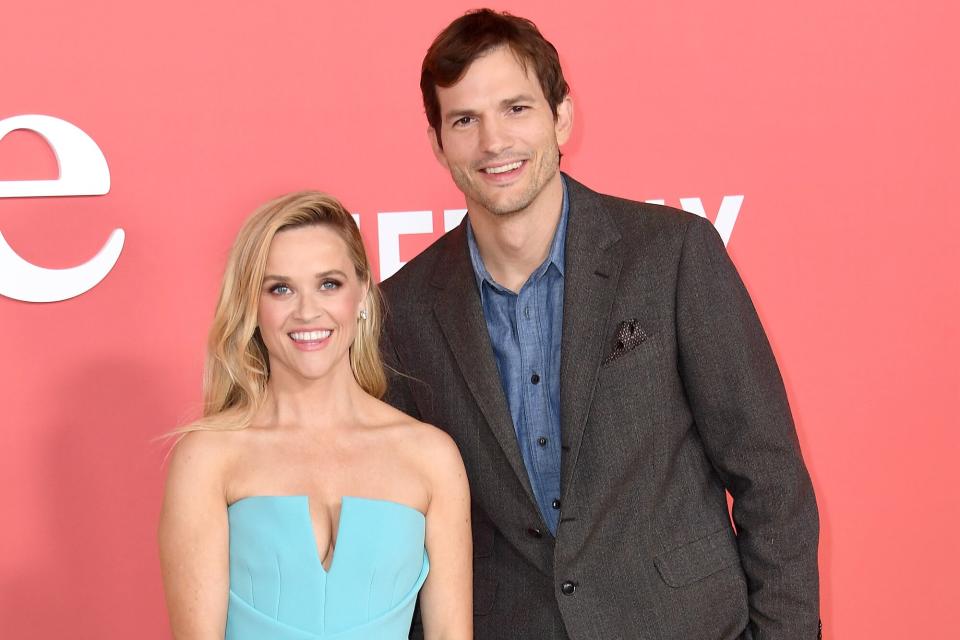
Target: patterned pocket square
{"points": [[629, 335]]}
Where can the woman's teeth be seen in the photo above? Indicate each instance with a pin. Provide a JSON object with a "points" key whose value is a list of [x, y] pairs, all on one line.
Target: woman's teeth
{"points": [[309, 336]]}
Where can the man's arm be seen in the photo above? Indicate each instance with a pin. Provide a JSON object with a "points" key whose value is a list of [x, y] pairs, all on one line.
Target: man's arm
{"points": [[741, 411], [398, 383]]}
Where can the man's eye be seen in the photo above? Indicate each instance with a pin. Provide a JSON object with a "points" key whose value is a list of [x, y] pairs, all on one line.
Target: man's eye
{"points": [[330, 285], [518, 108], [462, 122]]}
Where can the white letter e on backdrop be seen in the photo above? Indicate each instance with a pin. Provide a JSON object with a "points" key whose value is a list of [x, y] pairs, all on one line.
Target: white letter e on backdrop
{"points": [[83, 172]]}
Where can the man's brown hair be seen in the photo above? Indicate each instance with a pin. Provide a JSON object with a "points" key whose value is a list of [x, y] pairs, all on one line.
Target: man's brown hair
{"points": [[475, 34]]}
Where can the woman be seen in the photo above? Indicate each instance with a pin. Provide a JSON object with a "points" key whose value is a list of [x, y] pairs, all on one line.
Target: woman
{"points": [[300, 505]]}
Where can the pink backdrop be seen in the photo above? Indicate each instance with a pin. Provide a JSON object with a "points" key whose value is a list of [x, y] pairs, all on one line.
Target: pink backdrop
{"points": [[836, 122]]}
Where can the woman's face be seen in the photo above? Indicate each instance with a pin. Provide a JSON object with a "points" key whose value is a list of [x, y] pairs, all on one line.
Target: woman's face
{"points": [[309, 303]]}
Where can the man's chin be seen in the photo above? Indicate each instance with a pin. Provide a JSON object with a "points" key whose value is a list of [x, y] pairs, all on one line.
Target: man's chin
{"points": [[505, 206], [506, 212]]}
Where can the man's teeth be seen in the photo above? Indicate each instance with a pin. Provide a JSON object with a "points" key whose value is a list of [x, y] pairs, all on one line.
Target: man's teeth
{"points": [[309, 336], [504, 168]]}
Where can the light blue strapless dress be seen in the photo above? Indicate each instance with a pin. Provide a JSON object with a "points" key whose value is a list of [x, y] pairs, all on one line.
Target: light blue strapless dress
{"points": [[279, 589]]}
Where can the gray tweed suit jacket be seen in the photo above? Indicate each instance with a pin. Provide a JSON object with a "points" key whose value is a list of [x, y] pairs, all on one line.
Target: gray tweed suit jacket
{"points": [[670, 396]]}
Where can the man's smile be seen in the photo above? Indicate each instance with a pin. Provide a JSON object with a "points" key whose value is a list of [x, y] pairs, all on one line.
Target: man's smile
{"points": [[503, 172], [504, 167]]}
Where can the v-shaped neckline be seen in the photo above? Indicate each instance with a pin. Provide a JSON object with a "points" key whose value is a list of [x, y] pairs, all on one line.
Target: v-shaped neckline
{"points": [[335, 540], [339, 528], [334, 534]]}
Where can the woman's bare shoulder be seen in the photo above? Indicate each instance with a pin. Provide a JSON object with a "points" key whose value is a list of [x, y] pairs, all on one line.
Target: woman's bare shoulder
{"points": [[203, 457], [206, 446], [430, 448], [419, 436]]}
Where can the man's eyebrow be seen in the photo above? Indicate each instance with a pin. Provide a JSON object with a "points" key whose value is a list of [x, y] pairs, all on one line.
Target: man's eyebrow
{"points": [[459, 113], [456, 114], [522, 97]]}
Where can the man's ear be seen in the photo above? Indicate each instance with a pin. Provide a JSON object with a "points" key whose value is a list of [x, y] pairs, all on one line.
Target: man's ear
{"points": [[437, 149], [563, 126]]}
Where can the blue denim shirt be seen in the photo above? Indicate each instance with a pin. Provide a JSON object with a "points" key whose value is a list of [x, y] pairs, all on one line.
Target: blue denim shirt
{"points": [[525, 330]]}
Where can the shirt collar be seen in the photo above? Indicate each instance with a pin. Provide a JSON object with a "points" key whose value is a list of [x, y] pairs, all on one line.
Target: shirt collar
{"points": [[555, 257]]}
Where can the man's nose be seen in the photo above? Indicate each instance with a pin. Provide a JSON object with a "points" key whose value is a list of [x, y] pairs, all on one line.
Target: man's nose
{"points": [[494, 137]]}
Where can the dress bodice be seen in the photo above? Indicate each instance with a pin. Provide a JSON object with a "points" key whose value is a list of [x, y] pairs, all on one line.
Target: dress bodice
{"points": [[280, 590]]}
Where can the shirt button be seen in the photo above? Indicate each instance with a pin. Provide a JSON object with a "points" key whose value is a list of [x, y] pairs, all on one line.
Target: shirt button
{"points": [[534, 378], [556, 504], [542, 441], [533, 532], [568, 587]]}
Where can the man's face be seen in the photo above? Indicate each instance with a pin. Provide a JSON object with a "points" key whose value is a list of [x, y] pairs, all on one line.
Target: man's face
{"points": [[500, 138]]}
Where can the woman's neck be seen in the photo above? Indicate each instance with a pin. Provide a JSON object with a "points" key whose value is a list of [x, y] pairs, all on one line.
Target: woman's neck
{"points": [[317, 404]]}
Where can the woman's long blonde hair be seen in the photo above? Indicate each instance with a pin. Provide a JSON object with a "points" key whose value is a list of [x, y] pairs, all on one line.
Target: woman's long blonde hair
{"points": [[237, 366]]}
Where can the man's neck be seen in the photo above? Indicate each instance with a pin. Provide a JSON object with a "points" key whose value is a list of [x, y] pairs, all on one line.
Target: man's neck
{"points": [[513, 246]]}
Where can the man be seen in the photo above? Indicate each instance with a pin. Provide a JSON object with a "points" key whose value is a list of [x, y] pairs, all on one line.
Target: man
{"points": [[603, 371]]}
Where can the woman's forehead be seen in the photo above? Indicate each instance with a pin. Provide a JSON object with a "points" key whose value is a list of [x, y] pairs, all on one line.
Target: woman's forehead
{"points": [[304, 248]]}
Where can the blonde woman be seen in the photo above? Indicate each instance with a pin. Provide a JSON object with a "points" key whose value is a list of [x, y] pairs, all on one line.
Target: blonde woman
{"points": [[300, 505]]}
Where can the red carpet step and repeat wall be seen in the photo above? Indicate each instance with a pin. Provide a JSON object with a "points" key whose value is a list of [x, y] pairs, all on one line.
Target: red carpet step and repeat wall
{"points": [[820, 137]]}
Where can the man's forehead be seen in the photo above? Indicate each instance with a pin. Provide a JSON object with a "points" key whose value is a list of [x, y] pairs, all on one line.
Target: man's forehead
{"points": [[502, 58], [502, 50], [497, 69]]}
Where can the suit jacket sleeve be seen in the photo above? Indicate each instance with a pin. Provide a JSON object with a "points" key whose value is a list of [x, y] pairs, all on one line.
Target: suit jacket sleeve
{"points": [[740, 408], [398, 387]]}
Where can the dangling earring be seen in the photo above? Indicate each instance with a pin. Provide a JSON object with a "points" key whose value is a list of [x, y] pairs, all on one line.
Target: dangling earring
{"points": [[363, 314]]}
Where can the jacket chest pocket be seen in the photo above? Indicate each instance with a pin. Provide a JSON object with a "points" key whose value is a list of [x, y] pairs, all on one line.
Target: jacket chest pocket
{"points": [[632, 376]]}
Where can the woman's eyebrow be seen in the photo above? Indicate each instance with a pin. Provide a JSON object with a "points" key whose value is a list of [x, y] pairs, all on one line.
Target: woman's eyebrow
{"points": [[318, 276]]}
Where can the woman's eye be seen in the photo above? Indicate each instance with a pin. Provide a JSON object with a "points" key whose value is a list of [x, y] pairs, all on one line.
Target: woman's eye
{"points": [[280, 289], [330, 285]]}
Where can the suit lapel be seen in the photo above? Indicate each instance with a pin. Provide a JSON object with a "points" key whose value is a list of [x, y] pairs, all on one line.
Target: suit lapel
{"points": [[591, 275], [460, 314]]}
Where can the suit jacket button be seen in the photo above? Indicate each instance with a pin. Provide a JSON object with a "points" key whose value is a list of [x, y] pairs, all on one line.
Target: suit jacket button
{"points": [[533, 532], [568, 587]]}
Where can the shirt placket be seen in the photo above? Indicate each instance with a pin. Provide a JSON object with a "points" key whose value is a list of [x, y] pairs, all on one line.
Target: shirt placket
{"points": [[532, 374], [550, 287]]}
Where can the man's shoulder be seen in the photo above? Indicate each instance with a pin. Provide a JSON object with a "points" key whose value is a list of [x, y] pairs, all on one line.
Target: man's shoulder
{"points": [[631, 218], [415, 276]]}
